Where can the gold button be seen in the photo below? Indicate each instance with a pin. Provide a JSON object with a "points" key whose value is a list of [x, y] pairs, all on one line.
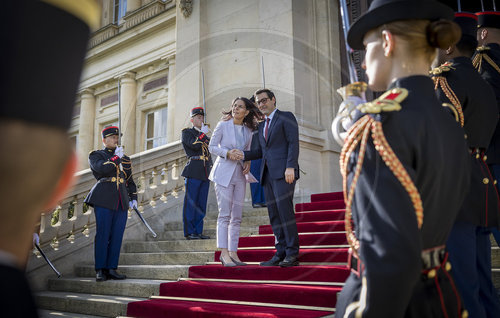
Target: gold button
{"points": [[486, 181], [113, 179], [485, 157], [477, 156], [495, 182], [448, 266], [121, 180], [465, 136], [431, 273], [465, 314]]}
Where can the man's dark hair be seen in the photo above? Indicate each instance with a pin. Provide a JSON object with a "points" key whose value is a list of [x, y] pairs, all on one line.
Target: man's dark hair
{"points": [[270, 94], [467, 45]]}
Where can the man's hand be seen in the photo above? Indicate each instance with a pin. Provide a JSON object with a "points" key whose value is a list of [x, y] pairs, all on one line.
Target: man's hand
{"points": [[132, 204], [289, 175], [246, 167], [119, 151], [205, 129], [235, 154]]}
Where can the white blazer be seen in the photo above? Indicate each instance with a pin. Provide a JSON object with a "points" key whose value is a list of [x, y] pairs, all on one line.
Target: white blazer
{"points": [[224, 139]]}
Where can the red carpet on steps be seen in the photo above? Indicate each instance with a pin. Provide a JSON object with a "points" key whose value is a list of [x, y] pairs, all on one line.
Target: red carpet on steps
{"points": [[322, 240]]}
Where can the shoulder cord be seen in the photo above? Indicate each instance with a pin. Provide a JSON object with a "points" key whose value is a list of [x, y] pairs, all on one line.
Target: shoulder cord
{"points": [[359, 132], [440, 81], [478, 61]]}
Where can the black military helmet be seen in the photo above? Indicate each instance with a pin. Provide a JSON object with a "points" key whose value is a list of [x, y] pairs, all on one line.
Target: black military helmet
{"points": [[197, 111], [385, 11], [467, 22], [110, 131], [488, 19]]}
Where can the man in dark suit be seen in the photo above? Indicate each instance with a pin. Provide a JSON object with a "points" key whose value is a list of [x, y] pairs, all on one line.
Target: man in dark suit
{"points": [[195, 142], [278, 146], [461, 86], [37, 162]]}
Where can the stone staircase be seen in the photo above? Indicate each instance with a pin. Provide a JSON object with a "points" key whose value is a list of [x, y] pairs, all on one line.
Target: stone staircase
{"points": [[146, 263]]}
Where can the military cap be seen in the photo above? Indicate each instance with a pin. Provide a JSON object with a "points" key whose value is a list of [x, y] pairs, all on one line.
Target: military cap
{"points": [[386, 11], [467, 22], [488, 19], [110, 131], [197, 111]]}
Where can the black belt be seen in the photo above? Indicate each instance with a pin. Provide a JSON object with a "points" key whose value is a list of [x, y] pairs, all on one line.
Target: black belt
{"points": [[354, 263], [111, 179], [204, 158]]}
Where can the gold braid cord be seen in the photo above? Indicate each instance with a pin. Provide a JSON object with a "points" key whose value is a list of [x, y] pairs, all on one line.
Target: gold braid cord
{"points": [[357, 134], [482, 53], [441, 82]]}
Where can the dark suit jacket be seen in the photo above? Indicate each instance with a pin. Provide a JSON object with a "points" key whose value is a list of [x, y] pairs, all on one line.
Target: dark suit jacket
{"points": [[281, 150], [16, 299]]}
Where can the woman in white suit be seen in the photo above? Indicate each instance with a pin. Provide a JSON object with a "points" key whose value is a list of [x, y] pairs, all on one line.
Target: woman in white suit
{"points": [[234, 131]]}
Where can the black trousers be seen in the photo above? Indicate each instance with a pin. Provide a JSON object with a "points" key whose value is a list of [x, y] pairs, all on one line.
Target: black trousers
{"points": [[279, 200]]}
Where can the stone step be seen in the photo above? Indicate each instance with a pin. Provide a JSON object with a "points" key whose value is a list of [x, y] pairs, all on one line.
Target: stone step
{"points": [[45, 313], [495, 257], [162, 272], [89, 304], [245, 221], [495, 274], [128, 287], [167, 258], [170, 246], [178, 234]]}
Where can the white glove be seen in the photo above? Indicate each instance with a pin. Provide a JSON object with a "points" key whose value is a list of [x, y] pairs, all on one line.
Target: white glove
{"points": [[132, 204], [36, 239], [119, 151], [204, 129], [350, 104]]}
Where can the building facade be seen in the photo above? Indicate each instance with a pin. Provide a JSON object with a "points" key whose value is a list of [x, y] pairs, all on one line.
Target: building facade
{"points": [[151, 54]]}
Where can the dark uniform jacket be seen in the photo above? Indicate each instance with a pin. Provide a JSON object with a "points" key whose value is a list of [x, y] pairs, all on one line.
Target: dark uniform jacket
{"points": [[432, 149], [480, 116], [16, 299], [114, 187], [491, 75], [195, 145]]}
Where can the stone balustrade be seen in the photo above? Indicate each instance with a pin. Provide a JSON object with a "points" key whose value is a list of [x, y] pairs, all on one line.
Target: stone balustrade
{"points": [[71, 225]]}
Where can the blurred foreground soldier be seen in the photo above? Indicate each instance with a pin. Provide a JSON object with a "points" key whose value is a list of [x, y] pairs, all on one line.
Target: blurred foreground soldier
{"points": [[113, 194], [43, 48], [406, 168], [460, 86], [195, 142], [487, 62]]}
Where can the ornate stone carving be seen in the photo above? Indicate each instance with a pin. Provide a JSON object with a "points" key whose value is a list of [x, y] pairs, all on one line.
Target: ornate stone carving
{"points": [[186, 7]]}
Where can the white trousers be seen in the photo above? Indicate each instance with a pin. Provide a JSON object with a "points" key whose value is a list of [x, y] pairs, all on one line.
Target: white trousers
{"points": [[230, 202]]}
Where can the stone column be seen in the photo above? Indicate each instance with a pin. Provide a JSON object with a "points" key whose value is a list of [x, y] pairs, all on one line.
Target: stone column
{"points": [[133, 5], [86, 134], [128, 98], [171, 133]]}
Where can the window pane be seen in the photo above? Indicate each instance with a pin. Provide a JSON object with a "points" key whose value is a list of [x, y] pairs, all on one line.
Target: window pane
{"points": [[150, 129]]}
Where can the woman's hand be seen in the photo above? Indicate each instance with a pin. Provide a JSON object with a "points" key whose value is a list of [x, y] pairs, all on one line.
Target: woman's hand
{"points": [[246, 167]]}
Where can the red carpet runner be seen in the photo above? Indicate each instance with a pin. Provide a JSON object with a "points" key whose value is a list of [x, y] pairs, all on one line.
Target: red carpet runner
{"points": [[308, 290]]}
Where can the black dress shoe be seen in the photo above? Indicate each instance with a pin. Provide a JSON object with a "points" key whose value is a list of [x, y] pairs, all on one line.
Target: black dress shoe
{"points": [[275, 261], [289, 261], [113, 274], [192, 237], [203, 237], [100, 276]]}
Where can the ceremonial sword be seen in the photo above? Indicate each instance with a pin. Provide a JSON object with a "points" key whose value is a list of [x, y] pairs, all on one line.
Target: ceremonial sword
{"points": [[47, 260], [145, 223]]}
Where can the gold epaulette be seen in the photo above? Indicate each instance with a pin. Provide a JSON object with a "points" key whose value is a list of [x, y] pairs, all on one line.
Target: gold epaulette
{"points": [[441, 82], [357, 136], [482, 54], [445, 67], [388, 102]]}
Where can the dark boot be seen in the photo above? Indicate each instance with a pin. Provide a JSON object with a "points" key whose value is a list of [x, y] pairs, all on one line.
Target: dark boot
{"points": [[100, 275], [113, 274]]}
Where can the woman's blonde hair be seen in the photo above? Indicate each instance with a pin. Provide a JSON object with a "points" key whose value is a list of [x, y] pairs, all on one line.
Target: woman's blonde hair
{"points": [[423, 36]]}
